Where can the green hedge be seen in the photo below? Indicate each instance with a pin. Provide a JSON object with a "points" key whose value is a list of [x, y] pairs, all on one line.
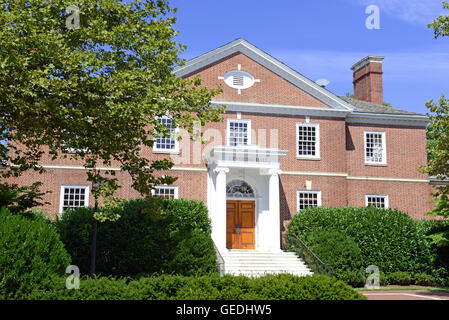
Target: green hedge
{"points": [[213, 287], [151, 236], [389, 239], [30, 253]]}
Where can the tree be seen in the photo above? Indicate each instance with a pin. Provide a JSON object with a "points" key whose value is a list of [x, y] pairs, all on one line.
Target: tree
{"points": [[438, 129], [431, 141], [93, 78], [19, 199], [438, 148]]}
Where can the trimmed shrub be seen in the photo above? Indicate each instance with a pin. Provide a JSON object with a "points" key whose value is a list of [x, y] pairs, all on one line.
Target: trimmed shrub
{"points": [[399, 278], [423, 279], [439, 249], [389, 239], [341, 252], [213, 287], [30, 253], [151, 236], [194, 255]]}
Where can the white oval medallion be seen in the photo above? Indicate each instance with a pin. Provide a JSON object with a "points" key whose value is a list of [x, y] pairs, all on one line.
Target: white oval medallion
{"points": [[239, 79]]}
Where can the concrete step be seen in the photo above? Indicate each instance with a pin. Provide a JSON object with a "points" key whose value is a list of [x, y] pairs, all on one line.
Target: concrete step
{"points": [[253, 263], [264, 265], [261, 274]]}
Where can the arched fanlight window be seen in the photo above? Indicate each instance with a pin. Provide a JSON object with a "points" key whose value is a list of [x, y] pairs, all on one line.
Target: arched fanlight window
{"points": [[239, 189]]}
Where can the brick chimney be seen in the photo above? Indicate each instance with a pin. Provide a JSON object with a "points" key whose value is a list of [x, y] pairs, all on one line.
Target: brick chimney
{"points": [[368, 79]]}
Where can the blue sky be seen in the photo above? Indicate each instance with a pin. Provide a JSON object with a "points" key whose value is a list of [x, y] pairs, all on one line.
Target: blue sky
{"points": [[324, 38]]}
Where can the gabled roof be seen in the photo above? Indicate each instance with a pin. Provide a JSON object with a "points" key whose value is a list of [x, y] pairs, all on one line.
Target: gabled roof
{"points": [[363, 106], [355, 111], [271, 63]]}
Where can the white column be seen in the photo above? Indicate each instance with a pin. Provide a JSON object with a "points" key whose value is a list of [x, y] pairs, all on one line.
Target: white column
{"points": [[219, 234], [275, 214]]}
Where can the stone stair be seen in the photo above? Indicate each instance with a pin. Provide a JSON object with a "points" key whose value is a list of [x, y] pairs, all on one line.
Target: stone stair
{"points": [[253, 263]]}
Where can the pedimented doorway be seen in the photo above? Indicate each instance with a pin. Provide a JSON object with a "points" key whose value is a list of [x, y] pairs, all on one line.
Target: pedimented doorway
{"points": [[240, 216]]}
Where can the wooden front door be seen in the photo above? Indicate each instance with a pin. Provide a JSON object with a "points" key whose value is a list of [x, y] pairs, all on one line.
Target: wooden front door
{"points": [[240, 224]]}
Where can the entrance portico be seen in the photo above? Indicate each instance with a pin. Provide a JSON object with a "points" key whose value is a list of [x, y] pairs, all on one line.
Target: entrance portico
{"points": [[232, 172]]}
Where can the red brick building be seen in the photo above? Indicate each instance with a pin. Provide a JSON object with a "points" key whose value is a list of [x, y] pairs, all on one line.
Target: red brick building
{"points": [[286, 143]]}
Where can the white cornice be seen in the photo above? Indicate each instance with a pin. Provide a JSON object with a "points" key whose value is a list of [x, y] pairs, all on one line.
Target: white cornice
{"points": [[388, 119], [281, 109], [358, 65], [351, 117]]}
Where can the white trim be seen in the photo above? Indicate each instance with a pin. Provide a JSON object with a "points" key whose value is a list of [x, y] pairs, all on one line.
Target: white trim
{"points": [[317, 142], [78, 186], [175, 188], [168, 151], [388, 179], [388, 119], [228, 131], [345, 175], [229, 79], [387, 204], [250, 107], [67, 167], [351, 117], [311, 173], [318, 192], [368, 59], [188, 169], [296, 173], [384, 147]]}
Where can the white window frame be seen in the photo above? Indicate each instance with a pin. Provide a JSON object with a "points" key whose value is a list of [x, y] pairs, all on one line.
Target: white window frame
{"points": [[317, 142], [384, 148], [161, 150], [153, 191], [67, 186], [387, 204], [318, 192], [228, 130]]}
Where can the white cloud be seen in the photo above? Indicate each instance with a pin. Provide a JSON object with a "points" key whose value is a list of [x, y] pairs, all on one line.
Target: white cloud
{"points": [[412, 11]]}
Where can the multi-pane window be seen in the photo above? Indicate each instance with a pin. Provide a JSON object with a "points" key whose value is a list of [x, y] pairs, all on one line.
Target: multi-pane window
{"points": [[166, 192], [377, 201], [308, 140], [166, 143], [308, 199], [375, 147], [74, 197], [239, 132]]}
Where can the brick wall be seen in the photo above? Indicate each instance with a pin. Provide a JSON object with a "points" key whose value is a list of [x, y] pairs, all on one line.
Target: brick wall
{"points": [[341, 148], [271, 88]]}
